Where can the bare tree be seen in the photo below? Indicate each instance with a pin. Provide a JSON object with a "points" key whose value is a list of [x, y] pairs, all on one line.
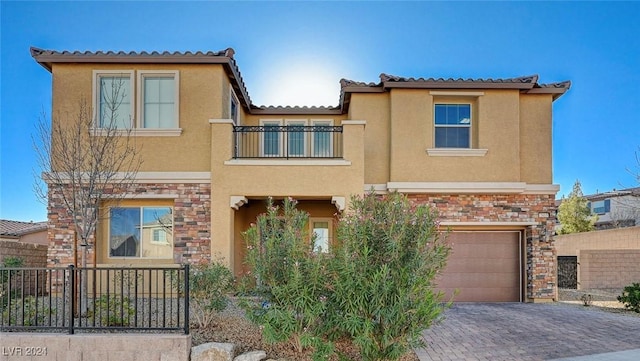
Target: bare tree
{"points": [[86, 158]]}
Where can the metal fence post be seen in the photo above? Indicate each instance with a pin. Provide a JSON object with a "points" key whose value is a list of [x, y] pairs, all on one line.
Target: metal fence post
{"points": [[186, 299], [72, 296]]}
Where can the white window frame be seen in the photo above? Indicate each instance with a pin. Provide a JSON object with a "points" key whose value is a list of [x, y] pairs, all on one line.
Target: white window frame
{"points": [[234, 99], [470, 126], [95, 103], [305, 149], [268, 122], [162, 237], [144, 74], [315, 122]]}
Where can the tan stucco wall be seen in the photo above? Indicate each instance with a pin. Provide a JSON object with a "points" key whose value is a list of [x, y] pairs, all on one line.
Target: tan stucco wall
{"points": [[535, 139], [201, 97], [374, 108], [497, 127]]}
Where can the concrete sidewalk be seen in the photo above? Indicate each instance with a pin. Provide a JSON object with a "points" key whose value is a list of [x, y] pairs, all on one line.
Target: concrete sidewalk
{"points": [[629, 355]]}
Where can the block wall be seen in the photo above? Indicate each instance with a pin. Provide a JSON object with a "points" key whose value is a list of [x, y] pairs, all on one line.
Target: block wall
{"points": [[609, 269]]}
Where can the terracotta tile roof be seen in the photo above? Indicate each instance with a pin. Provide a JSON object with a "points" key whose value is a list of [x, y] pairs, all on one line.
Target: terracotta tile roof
{"points": [[225, 57], [46, 57], [17, 228], [526, 84]]}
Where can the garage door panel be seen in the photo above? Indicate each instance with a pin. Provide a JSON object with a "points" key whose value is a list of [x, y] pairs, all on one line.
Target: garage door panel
{"points": [[489, 280], [482, 267], [474, 294]]}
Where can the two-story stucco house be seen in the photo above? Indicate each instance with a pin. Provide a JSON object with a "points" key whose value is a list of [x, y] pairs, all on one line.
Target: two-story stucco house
{"points": [[479, 150], [616, 208]]}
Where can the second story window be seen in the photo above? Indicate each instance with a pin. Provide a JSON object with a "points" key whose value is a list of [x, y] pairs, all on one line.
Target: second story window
{"points": [[137, 99], [113, 99], [601, 207], [452, 125], [234, 112], [158, 100]]}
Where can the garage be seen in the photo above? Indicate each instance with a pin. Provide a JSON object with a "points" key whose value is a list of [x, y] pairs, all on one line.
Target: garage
{"points": [[483, 267]]}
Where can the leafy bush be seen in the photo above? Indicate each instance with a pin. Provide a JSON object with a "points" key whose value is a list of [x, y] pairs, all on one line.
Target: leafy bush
{"points": [[382, 275], [26, 312], [290, 278], [6, 293], [374, 288], [631, 297], [208, 286], [112, 310]]}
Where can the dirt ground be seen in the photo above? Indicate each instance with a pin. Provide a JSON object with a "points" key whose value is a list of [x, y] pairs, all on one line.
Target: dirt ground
{"points": [[603, 299]]}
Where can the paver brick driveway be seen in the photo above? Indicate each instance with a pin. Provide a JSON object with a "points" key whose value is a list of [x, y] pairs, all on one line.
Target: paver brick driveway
{"points": [[524, 331]]}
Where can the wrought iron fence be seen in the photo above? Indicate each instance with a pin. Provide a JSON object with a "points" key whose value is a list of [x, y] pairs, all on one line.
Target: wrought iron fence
{"points": [[568, 272], [102, 298], [290, 141]]}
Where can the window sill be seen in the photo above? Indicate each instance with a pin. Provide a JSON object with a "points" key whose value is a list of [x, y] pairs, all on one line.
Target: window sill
{"points": [[456, 152], [174, 132]]}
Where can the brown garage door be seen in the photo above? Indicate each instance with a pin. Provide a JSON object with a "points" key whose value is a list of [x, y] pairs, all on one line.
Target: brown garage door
{"points": [[483, 267]]}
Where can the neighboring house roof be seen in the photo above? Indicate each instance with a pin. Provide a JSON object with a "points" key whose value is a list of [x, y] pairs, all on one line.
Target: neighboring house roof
{"points": [[17, 229], [526, 84], [634, 192]]}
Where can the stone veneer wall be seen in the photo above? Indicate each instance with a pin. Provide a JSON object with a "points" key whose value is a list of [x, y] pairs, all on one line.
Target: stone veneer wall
{"points": [[539, 208], [191, 223]]}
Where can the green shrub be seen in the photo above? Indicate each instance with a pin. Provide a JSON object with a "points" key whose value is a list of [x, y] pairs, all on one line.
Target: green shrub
{"points": [[26, 312], [382, 275], [374, 287], [290, 278], [6, 293], [630, 297], [208, 286], [112, 310]]}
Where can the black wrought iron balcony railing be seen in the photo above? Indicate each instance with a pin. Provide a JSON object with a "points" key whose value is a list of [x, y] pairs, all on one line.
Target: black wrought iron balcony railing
{"points": [[288, 141]]}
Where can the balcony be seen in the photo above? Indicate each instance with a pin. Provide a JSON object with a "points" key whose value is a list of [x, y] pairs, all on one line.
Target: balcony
{"points": [[288, 142]]}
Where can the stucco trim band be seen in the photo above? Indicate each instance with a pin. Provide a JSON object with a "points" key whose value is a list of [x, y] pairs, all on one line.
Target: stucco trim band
{"points": [[152, 177], [173, 177], [473, 187], [456, 93]]}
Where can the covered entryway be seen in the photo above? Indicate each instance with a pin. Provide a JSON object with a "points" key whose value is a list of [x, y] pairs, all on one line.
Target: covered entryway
{"points": [[483, 267]]}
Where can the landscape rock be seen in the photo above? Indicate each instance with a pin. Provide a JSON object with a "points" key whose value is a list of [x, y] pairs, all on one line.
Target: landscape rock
{"points": [[251, 356], [212, 351]]}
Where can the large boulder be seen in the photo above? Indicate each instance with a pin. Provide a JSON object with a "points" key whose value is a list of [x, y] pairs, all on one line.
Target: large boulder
{"points": [[251, 356], [212, 351]]}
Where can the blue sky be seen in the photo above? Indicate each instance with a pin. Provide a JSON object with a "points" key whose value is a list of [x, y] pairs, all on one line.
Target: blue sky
{"points": [[596, 45]]}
